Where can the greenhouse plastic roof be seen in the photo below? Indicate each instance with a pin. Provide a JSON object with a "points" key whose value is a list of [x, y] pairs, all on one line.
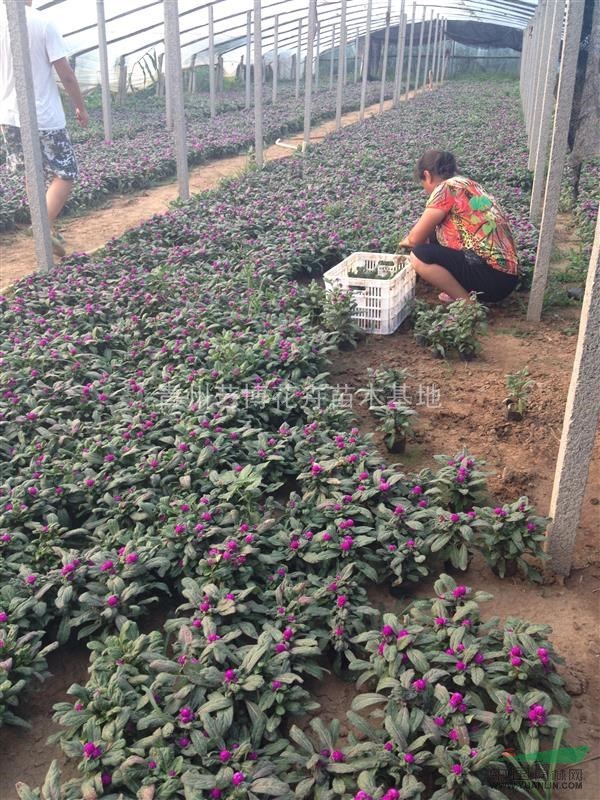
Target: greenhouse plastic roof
{"points": [[135, 27]]}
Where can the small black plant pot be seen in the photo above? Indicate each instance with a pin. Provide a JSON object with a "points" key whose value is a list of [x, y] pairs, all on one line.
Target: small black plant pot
{"points": [[421, 340], [466, 355], [399, 445], [510, 569], [512, 415]]}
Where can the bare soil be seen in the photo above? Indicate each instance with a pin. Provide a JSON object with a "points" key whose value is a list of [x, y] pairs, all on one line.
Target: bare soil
{"points": [[520, 457]]}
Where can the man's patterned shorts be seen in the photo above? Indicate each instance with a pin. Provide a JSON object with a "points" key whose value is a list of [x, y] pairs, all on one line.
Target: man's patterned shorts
{"points": [[58, 156]]}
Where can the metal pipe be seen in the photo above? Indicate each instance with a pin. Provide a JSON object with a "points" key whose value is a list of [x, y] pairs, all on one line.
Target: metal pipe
{"points": [[341, 78], [420, 49], [211, 63], [410, 50], [386, 44], [275, 59], [104, 80], [312, 21]]}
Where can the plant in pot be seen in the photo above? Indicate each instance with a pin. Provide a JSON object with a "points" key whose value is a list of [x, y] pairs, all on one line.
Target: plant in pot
{"points": [[395, 421], [519, 386], [338, 312], [468, 321], [385, 384], [509, 532]]}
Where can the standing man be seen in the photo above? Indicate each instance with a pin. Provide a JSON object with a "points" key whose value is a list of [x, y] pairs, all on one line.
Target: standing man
{"points": [[47, 49]]}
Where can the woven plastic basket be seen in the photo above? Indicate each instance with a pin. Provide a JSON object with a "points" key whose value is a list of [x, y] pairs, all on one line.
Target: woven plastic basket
{"points": [[382, 303]]}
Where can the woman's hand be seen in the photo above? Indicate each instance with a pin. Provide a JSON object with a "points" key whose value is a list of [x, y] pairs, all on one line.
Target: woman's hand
{"points": [[404, 244]]}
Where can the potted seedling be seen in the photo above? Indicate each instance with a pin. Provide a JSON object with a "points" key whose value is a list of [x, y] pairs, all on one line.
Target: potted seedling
{"points": [[395, 422], [519, 386]]}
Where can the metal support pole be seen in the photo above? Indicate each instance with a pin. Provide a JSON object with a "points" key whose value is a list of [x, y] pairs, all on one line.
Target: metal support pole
{"points": [[410, 50], [356, 58], [103, 54], [298, 59], [579, 426], [558, 152], [211, 62], [536, 97], [399, 57], [175, 83], [435, 48], [192, 80], [312, 24], [365, 76], [275, 57], [428, 52], [341, 77], [258, 90], [331, 63], [386, 44], [422, 31], [248, 59], [30, 138], [543, 136]]}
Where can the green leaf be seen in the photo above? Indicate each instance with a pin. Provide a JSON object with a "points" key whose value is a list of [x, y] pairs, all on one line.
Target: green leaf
{"points": [[271, 785], [367, 699]]}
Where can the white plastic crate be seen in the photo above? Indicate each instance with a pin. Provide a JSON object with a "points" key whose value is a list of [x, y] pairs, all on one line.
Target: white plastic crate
{"points": [[382, 304]]}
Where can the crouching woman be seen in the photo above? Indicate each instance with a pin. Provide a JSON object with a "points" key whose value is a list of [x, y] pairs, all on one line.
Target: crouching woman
{"points": [[474, 249]]}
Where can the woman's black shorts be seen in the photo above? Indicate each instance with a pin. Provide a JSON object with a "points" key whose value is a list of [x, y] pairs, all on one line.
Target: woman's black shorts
{"points": [[471, 271]]}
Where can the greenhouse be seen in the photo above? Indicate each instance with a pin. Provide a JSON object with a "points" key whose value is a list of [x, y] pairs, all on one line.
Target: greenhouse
{"points": [[299, 399]]}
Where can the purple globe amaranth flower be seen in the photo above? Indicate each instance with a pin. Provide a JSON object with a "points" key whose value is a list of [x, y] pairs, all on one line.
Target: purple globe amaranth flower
{"points": [[131, 558], [416, 490], [316, 469], [516, 661], [454, 517], [238, 778], [224, 756], [537, 715], [152, 764], [362, 795], [453, 734], [457, 769], [112, 600], [183, 742], [275, 685], [186, 715], [439, 721], [389, 746], [216, 793], [387, 630], [516, 651], [341, 601], [419, 685], [391, 794], [461, 666], [230, 676], [384, 486], [409, 758], [500, 512], [456, 699], [106, 779], [460, 591], [91, 750], [338, 756], [441, 621]]}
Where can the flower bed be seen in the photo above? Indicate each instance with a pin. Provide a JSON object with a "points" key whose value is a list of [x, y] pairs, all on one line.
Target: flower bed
{"points": [[168, 428], [142, 151]]}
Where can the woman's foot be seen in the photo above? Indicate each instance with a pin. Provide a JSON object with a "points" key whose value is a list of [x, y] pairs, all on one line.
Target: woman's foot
{"points": [[445, 298], [57, 247]]}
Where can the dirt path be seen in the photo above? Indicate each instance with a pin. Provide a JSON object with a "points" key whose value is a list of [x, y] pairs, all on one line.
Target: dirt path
{"points": [[121, 212]]}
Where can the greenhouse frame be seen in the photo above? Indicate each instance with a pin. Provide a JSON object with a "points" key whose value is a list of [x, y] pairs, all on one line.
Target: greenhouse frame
{"points": [[265, 533]]}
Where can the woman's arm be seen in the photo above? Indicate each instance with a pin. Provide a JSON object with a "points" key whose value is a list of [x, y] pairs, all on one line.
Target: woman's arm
{"points": [[424, 228]]}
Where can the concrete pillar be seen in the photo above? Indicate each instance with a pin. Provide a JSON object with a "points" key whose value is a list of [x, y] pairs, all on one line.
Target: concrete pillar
{"points": [[248, 59], [441, 51], [435, 47], [543, 45], [420, 53], [312, 24], [122, 93], [175, 82], [579, 425], [258, 82], [331, 60], [428, 52], [543, 134], [30, 138], [558, 152], [399, 57], [317, 70], [341, 78], [445, 58], [365, 62], [211, 62], [160, 77], [275, 57], [410, 50], [386, 45], [103, 54], [298, 59]]}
